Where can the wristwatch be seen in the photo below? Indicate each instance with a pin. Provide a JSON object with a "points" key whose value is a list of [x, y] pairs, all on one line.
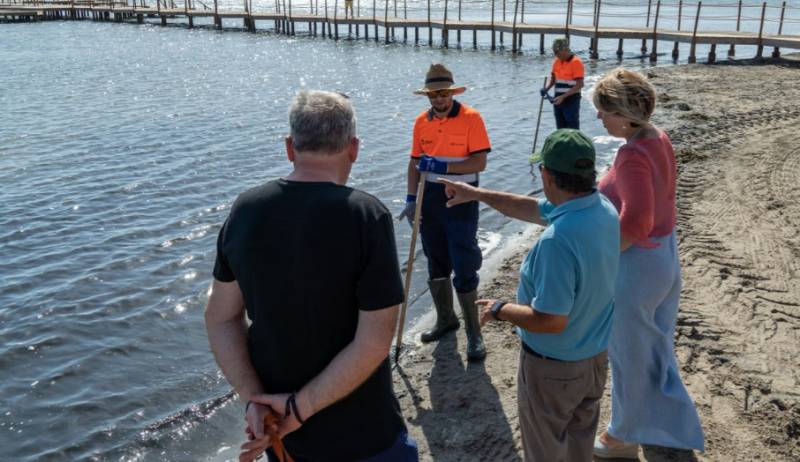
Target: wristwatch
{"points": [[498, 305]]}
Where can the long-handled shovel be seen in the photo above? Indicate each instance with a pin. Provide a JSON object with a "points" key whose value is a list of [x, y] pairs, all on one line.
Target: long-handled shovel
{"points": [[539, 119], [410, 266], [536, 133]]}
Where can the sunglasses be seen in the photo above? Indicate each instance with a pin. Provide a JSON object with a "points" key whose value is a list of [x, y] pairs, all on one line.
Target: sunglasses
{"points": [[439, 93]]}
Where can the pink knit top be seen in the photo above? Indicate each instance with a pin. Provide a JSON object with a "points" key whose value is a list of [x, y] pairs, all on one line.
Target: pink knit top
{"points": [[641, 185]]}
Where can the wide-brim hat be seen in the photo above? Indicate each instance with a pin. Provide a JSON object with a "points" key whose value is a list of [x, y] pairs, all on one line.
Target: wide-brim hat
{"points": [[439, 78]]}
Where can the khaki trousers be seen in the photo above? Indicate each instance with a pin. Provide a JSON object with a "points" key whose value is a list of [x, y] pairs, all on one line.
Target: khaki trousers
{"points": [[559, 406]]}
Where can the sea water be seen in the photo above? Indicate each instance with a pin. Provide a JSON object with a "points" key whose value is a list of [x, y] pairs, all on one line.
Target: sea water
{"points": [[122, 148]]}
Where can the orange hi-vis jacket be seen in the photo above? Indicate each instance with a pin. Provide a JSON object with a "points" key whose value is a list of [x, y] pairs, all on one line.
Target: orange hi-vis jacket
{"points": [[567, 73], [452, 139]]}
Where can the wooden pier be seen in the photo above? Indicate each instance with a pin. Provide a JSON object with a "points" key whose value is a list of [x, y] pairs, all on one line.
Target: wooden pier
{"points": [[500, 21]]}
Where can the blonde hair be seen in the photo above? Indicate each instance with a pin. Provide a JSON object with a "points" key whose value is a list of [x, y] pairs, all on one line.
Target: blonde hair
{"points": [[627, 94]]}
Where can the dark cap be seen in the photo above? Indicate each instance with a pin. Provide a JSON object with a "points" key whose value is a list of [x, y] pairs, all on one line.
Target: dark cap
{"points": [[567, 151]]}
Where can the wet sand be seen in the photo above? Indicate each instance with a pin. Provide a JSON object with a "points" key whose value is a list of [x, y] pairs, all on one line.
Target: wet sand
{"points": [[736, 130]]}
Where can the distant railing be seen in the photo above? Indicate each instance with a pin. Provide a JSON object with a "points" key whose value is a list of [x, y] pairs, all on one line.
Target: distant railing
{"points": [[596, 19]]}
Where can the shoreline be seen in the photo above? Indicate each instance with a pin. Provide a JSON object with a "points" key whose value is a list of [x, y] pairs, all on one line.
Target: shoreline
{"points": [[738, 331]]}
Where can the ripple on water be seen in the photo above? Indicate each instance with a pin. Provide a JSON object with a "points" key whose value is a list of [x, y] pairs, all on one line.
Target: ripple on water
{"points": [[118, 170]]}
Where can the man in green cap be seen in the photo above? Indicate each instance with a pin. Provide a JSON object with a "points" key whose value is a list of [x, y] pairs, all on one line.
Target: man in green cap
{"points": [[567, 76], [564, 301]]}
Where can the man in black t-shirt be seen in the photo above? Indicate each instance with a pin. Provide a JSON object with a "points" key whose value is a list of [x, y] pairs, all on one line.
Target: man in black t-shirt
{"points": [[313, 265]]}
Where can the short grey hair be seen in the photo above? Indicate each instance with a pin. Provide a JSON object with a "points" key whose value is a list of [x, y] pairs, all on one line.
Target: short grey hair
{"points": [[560, 44], [321, 121]]}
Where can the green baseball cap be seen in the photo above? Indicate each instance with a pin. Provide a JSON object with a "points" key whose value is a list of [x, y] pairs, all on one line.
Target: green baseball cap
{"points": [[567, 151]]}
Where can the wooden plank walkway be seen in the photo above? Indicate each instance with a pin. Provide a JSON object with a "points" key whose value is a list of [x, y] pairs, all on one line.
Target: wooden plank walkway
{"points": [[286, 23]]}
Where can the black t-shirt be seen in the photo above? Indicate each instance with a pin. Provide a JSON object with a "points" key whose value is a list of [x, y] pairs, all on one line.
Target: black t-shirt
{"points": [[308, 257]]}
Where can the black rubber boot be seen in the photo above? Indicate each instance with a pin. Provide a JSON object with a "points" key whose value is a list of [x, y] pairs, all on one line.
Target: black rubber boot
{"points": [[476, 351], [446, 320]]}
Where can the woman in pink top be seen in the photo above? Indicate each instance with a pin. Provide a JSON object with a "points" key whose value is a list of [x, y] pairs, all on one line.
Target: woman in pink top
{"points": [[649, 403]]}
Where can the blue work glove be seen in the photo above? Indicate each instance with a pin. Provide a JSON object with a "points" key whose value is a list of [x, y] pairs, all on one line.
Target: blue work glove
{"points": [[409, 210], [429, 164], [543, 91]]}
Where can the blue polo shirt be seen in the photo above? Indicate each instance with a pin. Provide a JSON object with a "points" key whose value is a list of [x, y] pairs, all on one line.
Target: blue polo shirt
{"points": [[572, 271]]}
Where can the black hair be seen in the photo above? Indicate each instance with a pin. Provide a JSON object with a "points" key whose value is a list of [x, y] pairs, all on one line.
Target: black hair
{"points": [[575, 184]]}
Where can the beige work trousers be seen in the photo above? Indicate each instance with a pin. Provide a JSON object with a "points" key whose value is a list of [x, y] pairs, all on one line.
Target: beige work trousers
{"points": [[559, 406]]}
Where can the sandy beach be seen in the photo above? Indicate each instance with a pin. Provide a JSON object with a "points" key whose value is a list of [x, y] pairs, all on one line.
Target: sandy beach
{"points": [[735, 129]]}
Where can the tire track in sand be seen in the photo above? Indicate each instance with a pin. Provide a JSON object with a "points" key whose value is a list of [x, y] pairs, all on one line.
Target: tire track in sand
{"points": [[738, 336]]}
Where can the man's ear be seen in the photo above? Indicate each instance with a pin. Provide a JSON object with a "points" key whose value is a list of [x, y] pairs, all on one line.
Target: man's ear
{"points": [[355, 143], [546, 177], [289, 149]]}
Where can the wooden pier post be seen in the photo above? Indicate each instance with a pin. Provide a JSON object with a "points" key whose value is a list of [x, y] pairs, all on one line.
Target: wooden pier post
{"points": [[445, 34], [492, 27], [514, 28], [675, 51], [504, 20], [285, 25], [386, 21], [474, 39], [357, 14], [430, 28], [375, 19], [541, 44], [416, 35], [521, 20], [693, 47], [250, 13], [395, 16], [405, 16], [335, 19], [323, 24], [760, 49], [712, 54], [619, 49], [647, 24], [654, 53], [776, 52], [291, 18], [217, 19], [328, 21], [594, 21], [191, 21], [595, 50], [732, 49], [458, 32], [313, 24], [569, 18], [277, 24]]}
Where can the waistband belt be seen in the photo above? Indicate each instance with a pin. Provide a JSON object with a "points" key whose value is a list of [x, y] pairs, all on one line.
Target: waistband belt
{"points": [[532, 352]]}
